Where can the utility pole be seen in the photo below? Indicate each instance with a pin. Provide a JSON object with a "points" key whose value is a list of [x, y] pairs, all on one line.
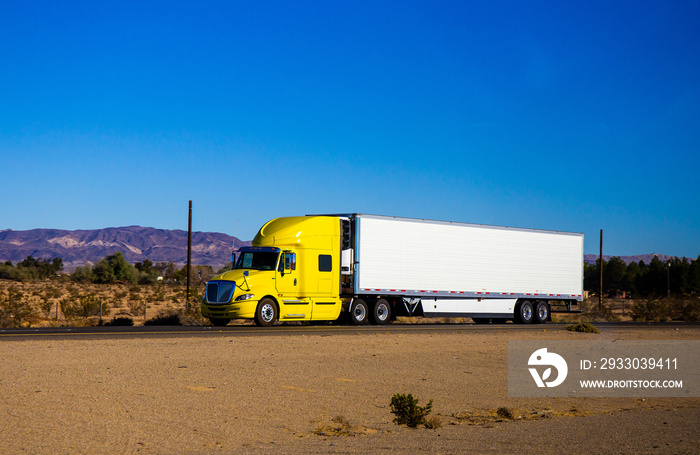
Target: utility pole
{"points": [[600, 294], [189, 257], [668, 279]]}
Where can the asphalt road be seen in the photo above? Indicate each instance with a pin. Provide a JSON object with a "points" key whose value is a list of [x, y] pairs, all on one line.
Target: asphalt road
{"points": [[292, 330]]}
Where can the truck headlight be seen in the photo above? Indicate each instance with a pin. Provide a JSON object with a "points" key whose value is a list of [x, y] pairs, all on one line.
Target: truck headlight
{"points": [[245, 297]]}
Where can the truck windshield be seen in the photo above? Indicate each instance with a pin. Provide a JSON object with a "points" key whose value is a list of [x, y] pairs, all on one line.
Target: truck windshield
{"points": [[257, 260]]}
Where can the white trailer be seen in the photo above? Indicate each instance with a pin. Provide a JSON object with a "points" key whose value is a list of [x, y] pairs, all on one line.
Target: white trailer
{"points": [[449, 269]]}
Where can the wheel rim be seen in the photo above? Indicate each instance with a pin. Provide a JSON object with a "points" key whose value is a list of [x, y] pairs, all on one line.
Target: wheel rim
{"points": [[527, 312], [267, 313], [382, 312], [359, 313], [542, 312]]}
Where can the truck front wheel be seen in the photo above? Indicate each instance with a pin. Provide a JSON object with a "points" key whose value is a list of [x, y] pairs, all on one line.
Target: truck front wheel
{"points": [[381, 313], [523, 312], [359, 312], [266, 314]]}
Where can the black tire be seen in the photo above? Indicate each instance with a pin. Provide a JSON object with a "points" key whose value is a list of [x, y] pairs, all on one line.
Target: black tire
{"points": [[480, 320], [541, 312], [266, 314], [359, 312], [219, 322], [524, 312], [381, 312]]}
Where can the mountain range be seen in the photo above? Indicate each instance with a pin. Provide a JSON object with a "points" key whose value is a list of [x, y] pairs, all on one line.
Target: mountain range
{"points": [[137, 243]]}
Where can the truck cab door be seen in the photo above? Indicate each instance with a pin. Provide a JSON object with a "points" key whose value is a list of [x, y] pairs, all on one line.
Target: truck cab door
{"points": [[286, 277]]}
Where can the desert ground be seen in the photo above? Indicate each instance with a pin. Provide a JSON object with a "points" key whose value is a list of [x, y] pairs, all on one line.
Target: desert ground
{"points": [[48, 299], [141, 303], [317, 392]]}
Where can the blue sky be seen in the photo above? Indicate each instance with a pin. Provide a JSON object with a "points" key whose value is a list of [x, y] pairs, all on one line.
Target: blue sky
{"points": [[574, 116]]}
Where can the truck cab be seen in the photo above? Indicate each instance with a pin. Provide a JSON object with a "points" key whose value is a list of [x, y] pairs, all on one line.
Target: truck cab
{"points": [[291, 272]]}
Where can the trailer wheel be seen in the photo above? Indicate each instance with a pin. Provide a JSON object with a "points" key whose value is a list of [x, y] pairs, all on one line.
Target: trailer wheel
{"points": [[219, 322], [359, 312], [266, 314], [541, 312], [523, 312], [381, 313]]}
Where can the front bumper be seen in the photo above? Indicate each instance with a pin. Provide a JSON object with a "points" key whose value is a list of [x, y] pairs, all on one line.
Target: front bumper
{"points": [[244, 309]]}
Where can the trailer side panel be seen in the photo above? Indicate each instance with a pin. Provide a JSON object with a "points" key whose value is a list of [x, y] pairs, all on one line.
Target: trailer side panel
{"points": [[419, 257]]}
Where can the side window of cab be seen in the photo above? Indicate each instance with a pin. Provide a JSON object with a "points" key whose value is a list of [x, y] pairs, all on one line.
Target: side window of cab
{"points": [[325, 263], [288, 262]]}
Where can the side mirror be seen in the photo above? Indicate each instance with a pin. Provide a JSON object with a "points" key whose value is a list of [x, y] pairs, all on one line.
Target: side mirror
{"points": [[233, 259]]}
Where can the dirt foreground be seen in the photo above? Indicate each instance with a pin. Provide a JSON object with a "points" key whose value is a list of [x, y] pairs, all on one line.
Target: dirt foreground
{"points": [[316, 393]]}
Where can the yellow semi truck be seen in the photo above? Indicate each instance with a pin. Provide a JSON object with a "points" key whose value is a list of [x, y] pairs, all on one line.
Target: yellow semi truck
{"points": [[372, 268]]}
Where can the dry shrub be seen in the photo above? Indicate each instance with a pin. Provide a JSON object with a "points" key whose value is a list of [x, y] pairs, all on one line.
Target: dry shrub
{"points": [[505, 413], [433, 422], [585, 327], [121, 321], [686, 308], [339, 426], [15, 309], [84, 306], [165, 318], [136, 306], [593, 312]]}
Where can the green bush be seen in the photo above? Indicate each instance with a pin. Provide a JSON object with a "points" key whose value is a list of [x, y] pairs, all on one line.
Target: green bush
{"points": [[9, 272], [31, 269], [114, 268], [407, 411]]}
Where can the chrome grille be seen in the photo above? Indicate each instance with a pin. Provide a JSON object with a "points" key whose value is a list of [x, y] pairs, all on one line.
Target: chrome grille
{"points": [[220, 291]]}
